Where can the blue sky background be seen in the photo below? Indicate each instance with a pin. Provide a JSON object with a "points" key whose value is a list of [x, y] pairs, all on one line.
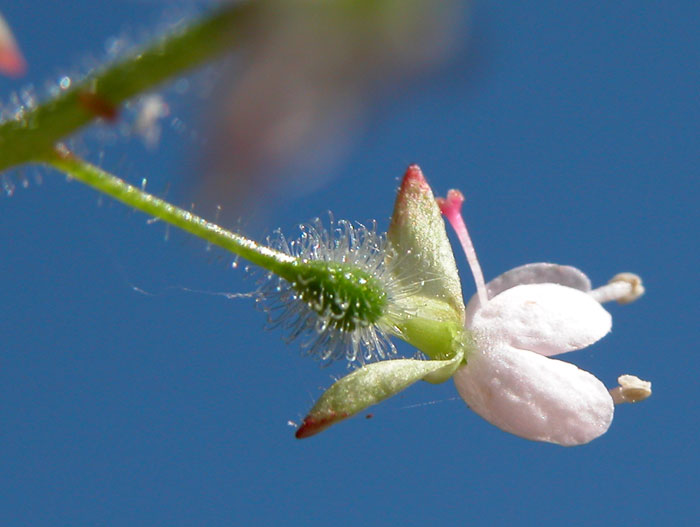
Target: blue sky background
{"points": [[572, 130]]}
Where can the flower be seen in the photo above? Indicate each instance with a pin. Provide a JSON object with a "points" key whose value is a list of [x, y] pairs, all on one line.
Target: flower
{"points": [[517, 321], [497, 348]]}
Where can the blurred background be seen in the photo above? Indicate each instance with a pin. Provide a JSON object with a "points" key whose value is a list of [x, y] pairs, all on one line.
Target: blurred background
{"points": [[133, 391]]}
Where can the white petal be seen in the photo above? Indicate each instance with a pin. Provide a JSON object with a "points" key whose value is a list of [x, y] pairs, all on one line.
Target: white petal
{"points": [[534, 397], [534, 273], [546, 318]]}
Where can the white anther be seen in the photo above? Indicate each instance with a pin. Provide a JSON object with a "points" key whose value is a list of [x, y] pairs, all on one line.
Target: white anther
{"points": [[623, 287], [631, 390]]}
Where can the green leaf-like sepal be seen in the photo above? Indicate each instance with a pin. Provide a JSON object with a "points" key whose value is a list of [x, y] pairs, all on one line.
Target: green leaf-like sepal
{"points": [[370, 385], [432, 317]]}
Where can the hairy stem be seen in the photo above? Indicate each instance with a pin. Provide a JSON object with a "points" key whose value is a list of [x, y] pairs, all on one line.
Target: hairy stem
{"points": [[99, 95], [279, 263]]}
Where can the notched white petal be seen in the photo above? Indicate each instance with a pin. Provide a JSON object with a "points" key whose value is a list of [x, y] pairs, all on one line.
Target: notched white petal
{"points": [[533, 273], [545, 318], [534, 397]]}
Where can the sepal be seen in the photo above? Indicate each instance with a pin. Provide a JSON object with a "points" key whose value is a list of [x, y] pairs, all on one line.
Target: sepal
{"points": [[420, 245], [370, 385]]}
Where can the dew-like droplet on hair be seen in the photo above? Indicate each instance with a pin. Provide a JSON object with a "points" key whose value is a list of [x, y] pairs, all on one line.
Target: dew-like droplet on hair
{"points": [[8, 186]]}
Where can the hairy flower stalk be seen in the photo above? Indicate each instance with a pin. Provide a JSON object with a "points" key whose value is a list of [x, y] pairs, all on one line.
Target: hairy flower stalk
{"points": [[338, 290], [344, 311]]}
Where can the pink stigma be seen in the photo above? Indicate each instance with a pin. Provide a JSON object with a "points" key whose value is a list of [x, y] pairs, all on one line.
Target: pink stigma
{"points": [[451, 208]]}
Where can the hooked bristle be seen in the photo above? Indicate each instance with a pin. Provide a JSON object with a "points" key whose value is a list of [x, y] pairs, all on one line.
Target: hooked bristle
{"points": [[340, 296]]}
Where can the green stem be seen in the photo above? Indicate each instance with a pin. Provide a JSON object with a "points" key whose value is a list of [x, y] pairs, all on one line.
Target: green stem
{"points": [[279, 263], [99, 95]]}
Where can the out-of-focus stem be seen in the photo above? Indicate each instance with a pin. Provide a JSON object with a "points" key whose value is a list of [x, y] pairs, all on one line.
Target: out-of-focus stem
{"points": [[99, 95]]}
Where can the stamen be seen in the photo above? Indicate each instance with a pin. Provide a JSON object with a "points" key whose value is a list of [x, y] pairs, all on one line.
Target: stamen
{"points": [[631, 390], [623, 287], [451, 208]]}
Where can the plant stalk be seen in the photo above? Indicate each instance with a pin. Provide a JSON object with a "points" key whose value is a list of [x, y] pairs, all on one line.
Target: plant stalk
{"points": [[280, 263], [36, 131]]}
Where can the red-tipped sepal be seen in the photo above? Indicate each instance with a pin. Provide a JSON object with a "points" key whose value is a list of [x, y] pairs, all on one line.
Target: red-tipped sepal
{"points": [[417, 235], [370, 385]]}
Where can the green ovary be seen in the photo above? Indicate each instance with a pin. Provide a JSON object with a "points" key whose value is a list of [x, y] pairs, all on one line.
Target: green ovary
{"points": [[346, 296]]}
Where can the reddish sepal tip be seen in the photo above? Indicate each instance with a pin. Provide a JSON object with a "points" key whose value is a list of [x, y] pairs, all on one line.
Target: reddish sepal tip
{"points": [[312, 426], [414, 175]]}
